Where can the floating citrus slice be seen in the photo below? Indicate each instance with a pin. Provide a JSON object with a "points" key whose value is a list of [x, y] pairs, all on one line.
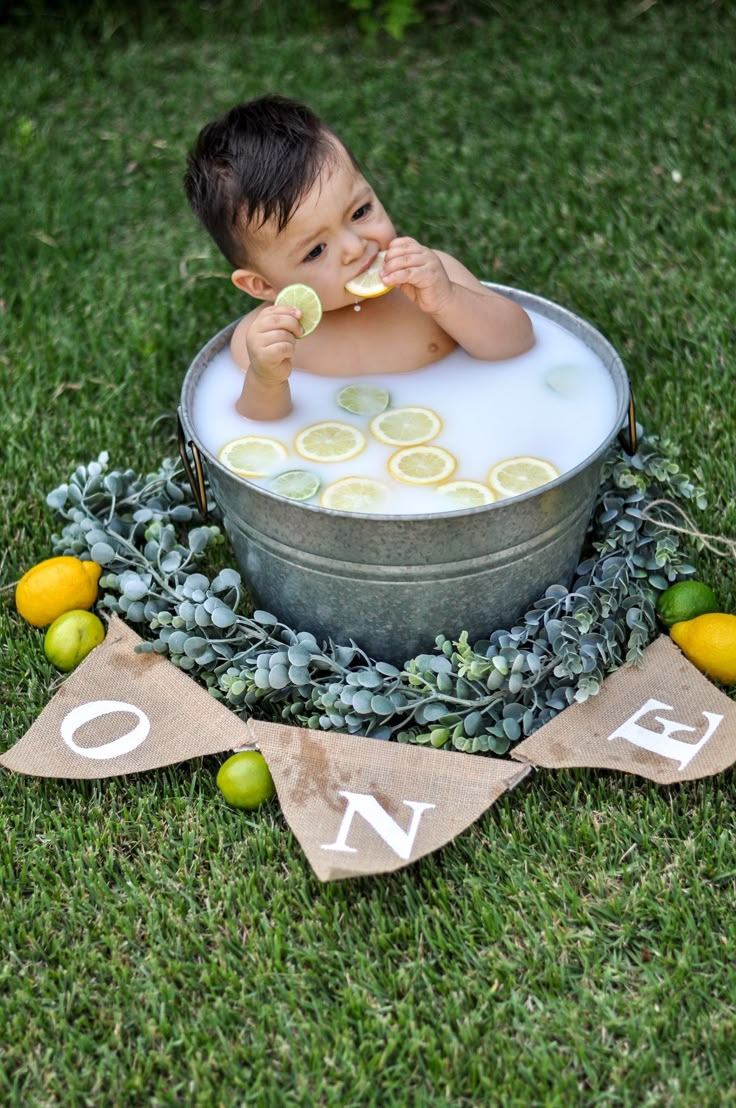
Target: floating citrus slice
{"points": [[406, 426], [296, 484], [422, 465], [355, 494], [513, 476], [366, 400], [331, 441], [368, 284], [465, 494], [564, 379], [253, 455], [306, 300]]}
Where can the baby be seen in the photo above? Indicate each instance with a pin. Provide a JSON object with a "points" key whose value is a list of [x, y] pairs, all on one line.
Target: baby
{"points": [[286, 202]]}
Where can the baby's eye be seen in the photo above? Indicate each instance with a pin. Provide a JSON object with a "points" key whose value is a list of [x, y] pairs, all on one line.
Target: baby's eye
{"points": [[362, 211], [315, 253]]}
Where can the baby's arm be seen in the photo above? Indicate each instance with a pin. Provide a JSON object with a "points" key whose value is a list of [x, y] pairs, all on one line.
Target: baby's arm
{"points": [[263, 345], [487, 325]]}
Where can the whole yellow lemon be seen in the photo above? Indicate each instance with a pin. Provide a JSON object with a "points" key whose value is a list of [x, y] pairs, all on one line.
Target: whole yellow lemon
{"points": [[709, 642], [55, 586]]}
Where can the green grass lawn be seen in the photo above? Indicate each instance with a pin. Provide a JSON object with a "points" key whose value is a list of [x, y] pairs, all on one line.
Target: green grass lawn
{"points": [[575, 946]]}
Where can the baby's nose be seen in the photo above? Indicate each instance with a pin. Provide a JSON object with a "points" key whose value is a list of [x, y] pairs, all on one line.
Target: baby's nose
{"points": [[353, 246]]}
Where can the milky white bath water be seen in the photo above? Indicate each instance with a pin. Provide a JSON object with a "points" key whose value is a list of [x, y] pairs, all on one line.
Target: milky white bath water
{"points": [[557, 403]]}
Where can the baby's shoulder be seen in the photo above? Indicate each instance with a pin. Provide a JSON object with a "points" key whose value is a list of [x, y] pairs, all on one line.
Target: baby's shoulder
{"points": [[457, 272]]}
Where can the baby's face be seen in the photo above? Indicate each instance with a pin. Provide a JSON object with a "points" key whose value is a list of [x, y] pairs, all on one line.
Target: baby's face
{"points": [[333, 235]]}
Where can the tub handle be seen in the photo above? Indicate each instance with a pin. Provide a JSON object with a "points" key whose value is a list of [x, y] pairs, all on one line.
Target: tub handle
{"points": [[627, 436], [195, 475]]}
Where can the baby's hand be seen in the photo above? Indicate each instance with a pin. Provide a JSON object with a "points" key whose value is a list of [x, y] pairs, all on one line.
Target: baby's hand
{"points": [[418, 273], [270, 342]]}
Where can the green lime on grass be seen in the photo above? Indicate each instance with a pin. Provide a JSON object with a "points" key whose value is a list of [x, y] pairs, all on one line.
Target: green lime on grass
{"points": [[71, 637], [685, 600], [306, 300], [368, 400], [245, 780], [296, 484]]}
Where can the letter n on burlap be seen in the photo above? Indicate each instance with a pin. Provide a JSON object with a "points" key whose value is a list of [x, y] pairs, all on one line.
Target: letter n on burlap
{"points": [[662, 719], [361, 806]]}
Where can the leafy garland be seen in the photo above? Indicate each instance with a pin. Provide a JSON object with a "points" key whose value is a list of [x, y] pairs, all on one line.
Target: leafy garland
{"points": [[479, 697]]}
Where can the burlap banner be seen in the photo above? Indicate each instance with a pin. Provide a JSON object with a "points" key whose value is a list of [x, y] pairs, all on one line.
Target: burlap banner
{"points": [[662, 720], [360, 806], [120, 712]]}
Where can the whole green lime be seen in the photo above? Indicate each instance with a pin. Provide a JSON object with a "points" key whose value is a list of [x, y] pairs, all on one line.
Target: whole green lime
{"points": [[686, 600], [245, 780], [71, 637]]}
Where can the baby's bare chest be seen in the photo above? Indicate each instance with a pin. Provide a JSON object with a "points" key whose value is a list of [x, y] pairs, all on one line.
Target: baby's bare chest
{"points": [[381, 338]]}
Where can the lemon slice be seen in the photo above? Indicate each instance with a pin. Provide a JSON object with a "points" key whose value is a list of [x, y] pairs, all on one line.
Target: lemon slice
{"points": [[466, 494], [368, 284], [306, 300], [331, 441], [365, 400], [406, 426], [355, 494], [296, 484], [253, 455], [422, 465], [516, 475]]}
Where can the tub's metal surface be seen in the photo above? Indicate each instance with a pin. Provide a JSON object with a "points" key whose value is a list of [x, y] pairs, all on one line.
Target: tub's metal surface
{"points": [[392, 583]]}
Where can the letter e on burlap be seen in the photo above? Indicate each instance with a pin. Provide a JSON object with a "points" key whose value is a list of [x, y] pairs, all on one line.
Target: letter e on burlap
{"points": [[361, 806], [662, 719], [120, 712]]}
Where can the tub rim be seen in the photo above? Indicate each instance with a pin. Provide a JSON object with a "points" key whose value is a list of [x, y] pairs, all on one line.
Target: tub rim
{"points": [[565, 317]]}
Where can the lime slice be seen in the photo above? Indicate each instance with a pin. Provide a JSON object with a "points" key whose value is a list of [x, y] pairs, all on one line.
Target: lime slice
{"points": [[422, 465], [368, 284], [564, 379], [406, 426], [366, 400], [466, 494], [513, 476], [306, 300], [355, 494], [296, 484], [331, 441], [253, 455]]}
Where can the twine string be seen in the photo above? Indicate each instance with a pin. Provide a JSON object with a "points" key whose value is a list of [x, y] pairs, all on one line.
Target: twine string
{"points": [[719, 545]]}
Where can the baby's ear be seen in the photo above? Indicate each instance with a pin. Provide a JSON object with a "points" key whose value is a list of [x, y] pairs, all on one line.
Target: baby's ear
{"points": [[253, 284]]}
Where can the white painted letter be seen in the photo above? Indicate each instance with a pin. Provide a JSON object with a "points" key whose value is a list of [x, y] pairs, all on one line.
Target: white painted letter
{"points": [[84, 713], [392, 834], [661, 742]]}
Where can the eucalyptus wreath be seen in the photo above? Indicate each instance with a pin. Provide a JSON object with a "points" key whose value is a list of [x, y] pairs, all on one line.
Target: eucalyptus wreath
{"points": [[155, 548]]}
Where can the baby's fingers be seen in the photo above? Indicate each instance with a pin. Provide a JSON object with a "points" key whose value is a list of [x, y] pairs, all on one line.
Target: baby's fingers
{"points": [[275, 319]]}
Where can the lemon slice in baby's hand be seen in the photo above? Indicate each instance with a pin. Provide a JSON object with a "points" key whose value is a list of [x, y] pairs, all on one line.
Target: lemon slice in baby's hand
{"points": [[306, 300], [513, 476], [368, 284], [253, 455]]}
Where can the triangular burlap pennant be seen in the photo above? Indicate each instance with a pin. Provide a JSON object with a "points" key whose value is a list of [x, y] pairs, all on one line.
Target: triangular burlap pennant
{"points": [[662, 720], [120, 712], [360, 806]]}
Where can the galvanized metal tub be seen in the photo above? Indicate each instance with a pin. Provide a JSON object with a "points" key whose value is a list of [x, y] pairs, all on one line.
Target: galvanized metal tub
{"points": [[393, 583]]}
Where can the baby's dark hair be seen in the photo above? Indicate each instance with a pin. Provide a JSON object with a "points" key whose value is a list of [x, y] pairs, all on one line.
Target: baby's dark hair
{"points": [[253, 164]]}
